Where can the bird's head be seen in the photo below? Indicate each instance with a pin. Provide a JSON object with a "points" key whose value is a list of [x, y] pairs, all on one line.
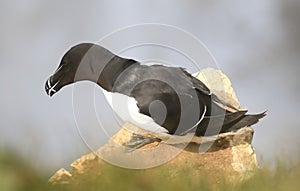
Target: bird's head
{"points": [[79, 63]]}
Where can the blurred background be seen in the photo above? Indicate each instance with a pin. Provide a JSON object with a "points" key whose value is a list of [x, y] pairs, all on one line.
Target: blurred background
{"points": [[256, 43]]}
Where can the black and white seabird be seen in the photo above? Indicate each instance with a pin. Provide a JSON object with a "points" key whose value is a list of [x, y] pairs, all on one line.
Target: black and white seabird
{"points": [[167, 101]]}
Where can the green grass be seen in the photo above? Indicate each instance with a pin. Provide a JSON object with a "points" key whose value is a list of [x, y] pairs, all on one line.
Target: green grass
{"points": [[15, 174]]}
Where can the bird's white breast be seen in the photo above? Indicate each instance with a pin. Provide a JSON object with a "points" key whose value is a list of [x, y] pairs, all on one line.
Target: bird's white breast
{"points": [[126, 108]]}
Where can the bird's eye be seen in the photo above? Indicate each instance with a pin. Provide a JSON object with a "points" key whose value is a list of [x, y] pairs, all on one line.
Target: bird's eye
{"points": [[63, 62]]}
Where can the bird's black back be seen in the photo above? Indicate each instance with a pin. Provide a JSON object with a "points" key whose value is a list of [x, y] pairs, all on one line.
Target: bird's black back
{"points": [[184, 99], [183, 107]]}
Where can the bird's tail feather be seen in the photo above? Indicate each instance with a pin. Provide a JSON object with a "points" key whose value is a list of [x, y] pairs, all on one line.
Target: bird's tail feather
{"points": [[246, 120], [222, 117], [227, 118], [212, 125]]}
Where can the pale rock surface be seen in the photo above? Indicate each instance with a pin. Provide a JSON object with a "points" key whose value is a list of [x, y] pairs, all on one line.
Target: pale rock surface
{"points": [[231, 155], [219, 84]]}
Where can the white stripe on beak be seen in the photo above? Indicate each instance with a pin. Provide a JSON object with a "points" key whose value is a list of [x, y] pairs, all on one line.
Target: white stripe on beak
{"points": [[48, 82], [52, 88]]}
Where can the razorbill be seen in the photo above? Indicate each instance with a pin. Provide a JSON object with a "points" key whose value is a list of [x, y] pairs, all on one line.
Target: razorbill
{"points": [[167, 101]]}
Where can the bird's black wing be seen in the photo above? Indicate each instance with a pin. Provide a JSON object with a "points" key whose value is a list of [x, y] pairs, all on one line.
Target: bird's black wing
{"points": [[175, 112], [200, 86], [203, 89]]}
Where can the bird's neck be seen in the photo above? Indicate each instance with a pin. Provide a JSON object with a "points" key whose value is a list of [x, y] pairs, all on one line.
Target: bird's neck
{"points": [[101, 66], [112, 71]]}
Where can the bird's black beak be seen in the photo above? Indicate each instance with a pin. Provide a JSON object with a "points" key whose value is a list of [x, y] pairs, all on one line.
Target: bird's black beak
{"points": [[50, 87]]}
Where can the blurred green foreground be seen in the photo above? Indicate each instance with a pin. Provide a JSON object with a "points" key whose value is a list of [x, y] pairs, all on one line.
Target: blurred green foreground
{"points": [[16, 174]]}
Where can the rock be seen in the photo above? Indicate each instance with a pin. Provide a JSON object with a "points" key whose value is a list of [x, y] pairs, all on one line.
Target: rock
{"points": [[230, 154], [219, 84], [61, 177]]}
